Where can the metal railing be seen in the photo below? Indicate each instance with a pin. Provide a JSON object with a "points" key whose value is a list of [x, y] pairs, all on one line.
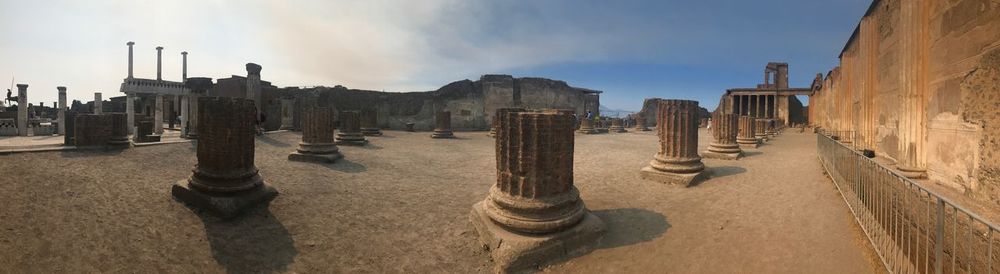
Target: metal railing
{"points": [[913, 229]]}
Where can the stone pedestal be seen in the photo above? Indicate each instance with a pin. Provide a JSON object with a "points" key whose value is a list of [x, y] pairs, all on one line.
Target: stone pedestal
{"points": [[225, 181], [760, 130], [318, 144], [533, 214], [349, 132], [677, 162], [616, 126], [725, 128], [369, 123], [586, 126], [119, 131], [640, 123], [745, 136], [442, 125]]}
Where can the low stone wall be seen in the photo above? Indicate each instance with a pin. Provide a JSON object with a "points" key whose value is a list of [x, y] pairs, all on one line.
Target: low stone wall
{"points": [[92, 129]]}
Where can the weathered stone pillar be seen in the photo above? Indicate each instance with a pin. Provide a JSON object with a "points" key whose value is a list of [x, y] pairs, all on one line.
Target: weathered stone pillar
{"points": [[616, 126], [184, 115], [747, 130], [130, 44], [130, 113], [369, 123], [159, 63], [318, 144], [913, 89], [349, 132], [158, 115], [725, 128], [98, 103], [22, 109], [184, 66], [640, 123], [62, 110], [225, 181], [198, 87], [533, 214], [287, 117], [119, 130], [442, 125], [586, 126], [253, 86], [760, 128], [771, 128], [677, 162]]}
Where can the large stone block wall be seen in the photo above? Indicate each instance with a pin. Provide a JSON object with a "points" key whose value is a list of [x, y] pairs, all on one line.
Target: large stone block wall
{"points": [[959, 63], [92, 129]]}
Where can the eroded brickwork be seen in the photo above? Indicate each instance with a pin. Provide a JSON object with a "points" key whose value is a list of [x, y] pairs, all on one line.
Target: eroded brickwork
{"points": [[92, 129], [226, 145]]}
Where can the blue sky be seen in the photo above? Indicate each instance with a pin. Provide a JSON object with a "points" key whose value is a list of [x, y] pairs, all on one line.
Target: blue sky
{"points": [[629, 49]]}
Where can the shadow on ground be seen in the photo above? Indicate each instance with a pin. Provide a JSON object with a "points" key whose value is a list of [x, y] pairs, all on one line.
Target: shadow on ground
{"points": [[628, 226], [271, 141], [255, 242], [723, 171], [747, 154], [344, 165]]}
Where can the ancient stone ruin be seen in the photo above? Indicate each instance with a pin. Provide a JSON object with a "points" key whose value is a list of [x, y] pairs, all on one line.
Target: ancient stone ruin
{"points": [[616, 126], [225, 181], [349, 132], [119, 131], [442, 128], [640, 123], [318, 143], [533, 214], [746, 137], [760, 130], [586, 126], [724, 129], [677, 161], [369, 123]]}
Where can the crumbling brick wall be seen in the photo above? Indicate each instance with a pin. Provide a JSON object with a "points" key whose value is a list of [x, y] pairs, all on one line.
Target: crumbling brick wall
{"points": [[92, 129]]}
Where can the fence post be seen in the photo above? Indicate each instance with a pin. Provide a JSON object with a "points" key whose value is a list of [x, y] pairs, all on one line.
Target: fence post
{"points": [[939, 238]]}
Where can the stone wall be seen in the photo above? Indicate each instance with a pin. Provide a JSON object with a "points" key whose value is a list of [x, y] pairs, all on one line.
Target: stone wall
{"points": [[918, 82], [650, 108], [92, 129]]}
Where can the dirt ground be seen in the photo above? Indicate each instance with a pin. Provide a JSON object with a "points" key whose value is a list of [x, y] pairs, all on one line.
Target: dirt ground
{"points": [[401, 204]]}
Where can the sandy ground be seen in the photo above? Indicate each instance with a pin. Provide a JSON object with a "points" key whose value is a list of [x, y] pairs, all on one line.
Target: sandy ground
{"points": [[401, 204]]}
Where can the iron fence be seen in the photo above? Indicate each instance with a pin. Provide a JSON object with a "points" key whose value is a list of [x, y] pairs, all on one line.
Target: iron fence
{"points": [[913, 229]]}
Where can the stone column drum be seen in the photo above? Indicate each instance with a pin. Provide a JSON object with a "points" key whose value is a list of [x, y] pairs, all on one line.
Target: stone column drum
{"points": [[616, 126], [745, 137], [369, 123], [349, 132], [61, 115], [225, 181], [442, 125], [318, 144], [586, 126], [724, 129], [533, 214], [22, 109], [640, 123], [771, 128], [119, 131], [760, 128], [677, 162], [496, 114], [198, 87]]}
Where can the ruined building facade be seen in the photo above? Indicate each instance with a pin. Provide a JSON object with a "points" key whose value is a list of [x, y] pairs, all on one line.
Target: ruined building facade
{"points": [[918, 84], [773, 99]]}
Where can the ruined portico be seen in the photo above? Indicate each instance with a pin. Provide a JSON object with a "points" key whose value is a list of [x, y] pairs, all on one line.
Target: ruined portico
{"points": [[773, 99], [155, 92]]}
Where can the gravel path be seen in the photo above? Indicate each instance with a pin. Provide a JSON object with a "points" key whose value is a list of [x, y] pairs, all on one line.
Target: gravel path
{"points": [[401, 204]]}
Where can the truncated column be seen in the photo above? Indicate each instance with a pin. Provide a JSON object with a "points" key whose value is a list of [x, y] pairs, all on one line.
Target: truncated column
{"points": [[533, 213], [225, 181], [725, 128], [350, 129], [640, 123], [318, 144], [369, 123], [586, 126], [616, 126], [677, 162], [746, 137], [442, 125], [760, 129]]}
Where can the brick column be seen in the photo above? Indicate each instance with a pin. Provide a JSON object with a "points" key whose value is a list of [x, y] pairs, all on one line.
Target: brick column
{"points": [[677, 161], [534, 195], [119, 130], [318, 144], [369, 123], [62, 110], [130, 113], [22, 109], [760, 128], [442, 125], [158, 115], [640, 123], [746, 136], [98, 103], [725, 128], [350, 129], [225, 181], [616, 126], [198, 87]]}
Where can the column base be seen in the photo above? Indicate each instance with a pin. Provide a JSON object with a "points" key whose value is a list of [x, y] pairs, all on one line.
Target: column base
{"points": [[722, 156], [618, 130], [517, 252], [912, 173], [443, 134], [680, 179], [119, 143], [642, 129], [226, 206], [371, 132], [602, 130], [353, 139], [315, 158], [587, 131]]}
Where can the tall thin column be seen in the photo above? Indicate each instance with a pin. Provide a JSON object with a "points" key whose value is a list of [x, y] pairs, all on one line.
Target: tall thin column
{"points": [[725, 128], [62, 110], [913, 81], [159, 63], [98, 103], [22, 109], [130, 112], [158, 115], [253, 85], [184, 115], [225, 181], [534, 213], [746, 131], [130, 44], [677, 161], [318, 143], [198, 86], [184, 66], [442, 125]]}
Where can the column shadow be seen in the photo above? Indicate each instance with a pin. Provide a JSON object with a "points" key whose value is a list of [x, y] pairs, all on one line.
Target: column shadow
{"points": [[628, 226], [271, 141], [747, 154], [344, 165], [253, 243]]}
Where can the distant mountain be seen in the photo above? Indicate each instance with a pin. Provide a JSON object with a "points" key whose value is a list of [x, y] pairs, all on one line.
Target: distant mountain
{"points": [[614, 112]]}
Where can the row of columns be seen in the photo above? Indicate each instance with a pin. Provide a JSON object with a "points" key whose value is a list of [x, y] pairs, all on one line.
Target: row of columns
{"points": [[758, 106]]}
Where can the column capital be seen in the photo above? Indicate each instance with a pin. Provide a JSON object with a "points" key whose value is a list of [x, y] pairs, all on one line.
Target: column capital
{"points": [[159, 48], [253, 69], [184, 53], [130, 43], [61, 89], [22, 86]]}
